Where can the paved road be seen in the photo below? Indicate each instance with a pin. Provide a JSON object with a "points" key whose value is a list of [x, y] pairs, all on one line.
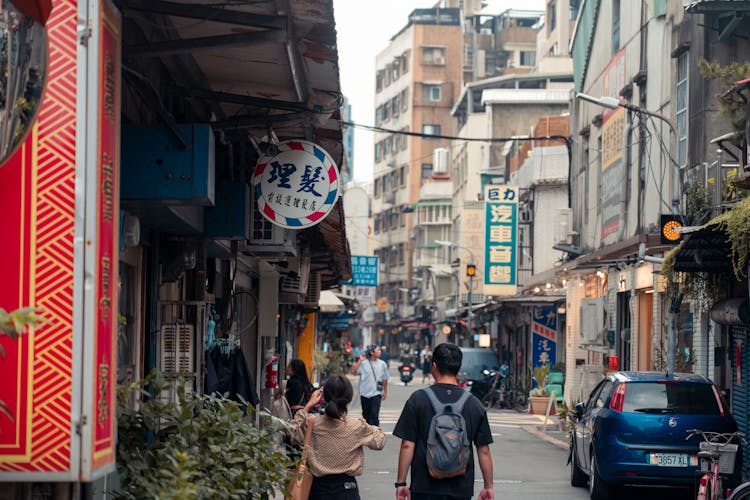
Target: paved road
{"points": [[529, 463]]}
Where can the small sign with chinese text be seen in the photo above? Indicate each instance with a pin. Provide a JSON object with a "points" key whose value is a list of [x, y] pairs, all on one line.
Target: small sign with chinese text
{"points": [[501, 227], [298, 187], [544, 336], [364, 270]]}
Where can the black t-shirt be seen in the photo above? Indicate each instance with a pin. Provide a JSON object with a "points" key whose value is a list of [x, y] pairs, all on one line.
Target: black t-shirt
{"points": [[297, 393], [413, 425]]}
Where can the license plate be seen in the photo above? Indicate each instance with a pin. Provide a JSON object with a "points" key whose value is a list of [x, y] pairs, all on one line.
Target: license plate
{"points": [[669, 459]]}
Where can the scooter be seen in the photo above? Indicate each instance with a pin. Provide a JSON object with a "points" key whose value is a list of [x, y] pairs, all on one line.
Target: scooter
{"points": [[407, 373]]}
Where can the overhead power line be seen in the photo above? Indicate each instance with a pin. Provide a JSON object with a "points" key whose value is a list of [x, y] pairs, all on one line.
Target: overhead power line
{"points": [[374, 128]]}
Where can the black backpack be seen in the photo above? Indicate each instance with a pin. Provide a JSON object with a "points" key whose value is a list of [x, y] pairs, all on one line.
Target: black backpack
{"points": [[448, 449]]}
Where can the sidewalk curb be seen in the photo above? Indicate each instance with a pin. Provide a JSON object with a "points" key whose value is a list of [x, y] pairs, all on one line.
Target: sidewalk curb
{"points": [[543, 435]]}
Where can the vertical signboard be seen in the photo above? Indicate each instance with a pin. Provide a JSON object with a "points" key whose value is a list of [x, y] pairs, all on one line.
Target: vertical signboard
{"points": [[501, 230], [38, 203], [544, 336], [612, 174], [100, 372]]}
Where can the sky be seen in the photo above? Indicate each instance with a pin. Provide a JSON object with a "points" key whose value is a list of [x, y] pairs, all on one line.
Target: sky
{"points": [[364, 29]]}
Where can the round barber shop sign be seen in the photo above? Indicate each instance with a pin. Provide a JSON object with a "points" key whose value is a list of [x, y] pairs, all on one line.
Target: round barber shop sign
{"points": [[297, 187]]}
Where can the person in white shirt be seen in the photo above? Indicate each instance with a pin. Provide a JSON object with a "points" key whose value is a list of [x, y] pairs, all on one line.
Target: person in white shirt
{"points": [[425, 358], [373, 383]]}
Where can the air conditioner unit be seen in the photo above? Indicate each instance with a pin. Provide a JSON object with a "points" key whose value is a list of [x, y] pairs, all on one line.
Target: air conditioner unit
{"points": [[177, 356], [296, 280], [312, 297], [564, 227], [440, 160], [592, 320]]}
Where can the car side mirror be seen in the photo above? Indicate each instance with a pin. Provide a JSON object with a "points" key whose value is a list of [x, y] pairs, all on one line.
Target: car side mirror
{"points": [[579, 411]]}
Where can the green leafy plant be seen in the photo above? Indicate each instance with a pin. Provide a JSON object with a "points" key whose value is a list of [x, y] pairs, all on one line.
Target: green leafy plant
{"points": [[540, 376], [732, 105], [13, 324], [199, 446]]}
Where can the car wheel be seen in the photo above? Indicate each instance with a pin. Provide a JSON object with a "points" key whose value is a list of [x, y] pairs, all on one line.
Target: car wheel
{"points": [[577, 476], [598, 489]]}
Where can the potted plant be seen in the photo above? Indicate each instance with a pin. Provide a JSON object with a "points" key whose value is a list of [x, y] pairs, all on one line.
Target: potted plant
{"points": [[539, 397], [564, 416]]}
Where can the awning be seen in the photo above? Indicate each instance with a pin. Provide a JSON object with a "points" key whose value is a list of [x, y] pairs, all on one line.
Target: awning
{"points": [[704, 249], [329, 303]]}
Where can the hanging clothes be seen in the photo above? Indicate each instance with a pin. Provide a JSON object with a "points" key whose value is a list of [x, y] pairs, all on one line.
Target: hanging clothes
{"points": [[227, 373]]}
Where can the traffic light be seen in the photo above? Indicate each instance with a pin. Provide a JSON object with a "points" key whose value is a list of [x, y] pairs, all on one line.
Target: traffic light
{"points": [[471, 270], [669, 225]]}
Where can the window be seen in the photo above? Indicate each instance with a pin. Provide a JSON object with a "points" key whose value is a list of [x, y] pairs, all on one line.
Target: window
{"points": [[615, 26], [682, 108], [396, 68], [401, 253], [405, 62], [403, 138], [379, 80], [376, 224], [386, 146], [385, 185], [574, 6], [432, 93], [376, 188], [394, 179], [384, 113], [527, 58], [404, 99], [426, 170], [429, 129], [551, 16], [433, 55], [402, 175], [395, 106], [377, 152], [394, 144]]}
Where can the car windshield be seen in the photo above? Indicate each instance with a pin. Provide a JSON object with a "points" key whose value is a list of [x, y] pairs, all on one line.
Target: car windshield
{"points": [[474, 362], [682, 398]]}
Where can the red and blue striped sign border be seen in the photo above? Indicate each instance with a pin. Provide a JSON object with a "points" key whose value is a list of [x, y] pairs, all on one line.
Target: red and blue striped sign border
{"points": [[315, 217]]}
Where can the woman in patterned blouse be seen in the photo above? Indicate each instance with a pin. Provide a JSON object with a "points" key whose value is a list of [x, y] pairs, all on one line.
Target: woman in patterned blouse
{"points": [[336, 452]]}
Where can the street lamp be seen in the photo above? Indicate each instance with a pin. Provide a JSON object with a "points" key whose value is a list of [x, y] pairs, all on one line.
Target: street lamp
{"points": [[613, 103], [471, 271]]}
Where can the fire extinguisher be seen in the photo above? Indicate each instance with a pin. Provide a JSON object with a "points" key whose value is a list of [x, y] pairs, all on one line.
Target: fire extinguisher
{"points": [[272, 373]]}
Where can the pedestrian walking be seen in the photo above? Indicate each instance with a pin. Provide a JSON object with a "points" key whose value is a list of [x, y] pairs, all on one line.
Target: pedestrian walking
{"points": [[419, 448], [425, 358], [373, 383], [336, 453]]}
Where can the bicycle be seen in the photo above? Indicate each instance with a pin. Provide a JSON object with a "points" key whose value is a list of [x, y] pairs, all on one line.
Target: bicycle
{"points": [[718, 452]]}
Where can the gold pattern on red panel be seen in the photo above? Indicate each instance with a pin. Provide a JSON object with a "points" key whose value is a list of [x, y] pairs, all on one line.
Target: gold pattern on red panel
{"points": [[52, 260]]}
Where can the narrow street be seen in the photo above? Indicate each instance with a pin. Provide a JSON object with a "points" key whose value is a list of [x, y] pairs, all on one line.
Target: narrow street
{"points": [[525, 464]]}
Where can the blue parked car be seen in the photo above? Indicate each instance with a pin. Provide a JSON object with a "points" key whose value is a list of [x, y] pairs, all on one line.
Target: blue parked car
{"points": [[633, 429]]}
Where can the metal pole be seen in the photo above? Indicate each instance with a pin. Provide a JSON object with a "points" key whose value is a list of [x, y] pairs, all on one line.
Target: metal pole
{"points": [[468, 313]]}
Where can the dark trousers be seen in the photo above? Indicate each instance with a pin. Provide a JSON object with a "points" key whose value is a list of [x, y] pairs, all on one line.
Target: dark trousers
{"points": [[371, 409], [334, 487]]}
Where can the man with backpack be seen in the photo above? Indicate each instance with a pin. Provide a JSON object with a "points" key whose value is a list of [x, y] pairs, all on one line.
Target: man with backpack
{"points": [[437, 427]]}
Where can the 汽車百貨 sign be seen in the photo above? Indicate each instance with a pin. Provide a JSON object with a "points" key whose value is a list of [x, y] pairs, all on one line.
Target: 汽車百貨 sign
{"points": [[501, 227], [297, 187]]}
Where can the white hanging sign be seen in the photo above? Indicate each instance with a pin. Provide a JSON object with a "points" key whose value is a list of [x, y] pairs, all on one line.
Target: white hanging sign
{"points": [[298, 187]]}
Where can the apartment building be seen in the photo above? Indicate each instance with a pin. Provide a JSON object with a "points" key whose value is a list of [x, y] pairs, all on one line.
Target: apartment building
{"points": [[417, 82]]}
